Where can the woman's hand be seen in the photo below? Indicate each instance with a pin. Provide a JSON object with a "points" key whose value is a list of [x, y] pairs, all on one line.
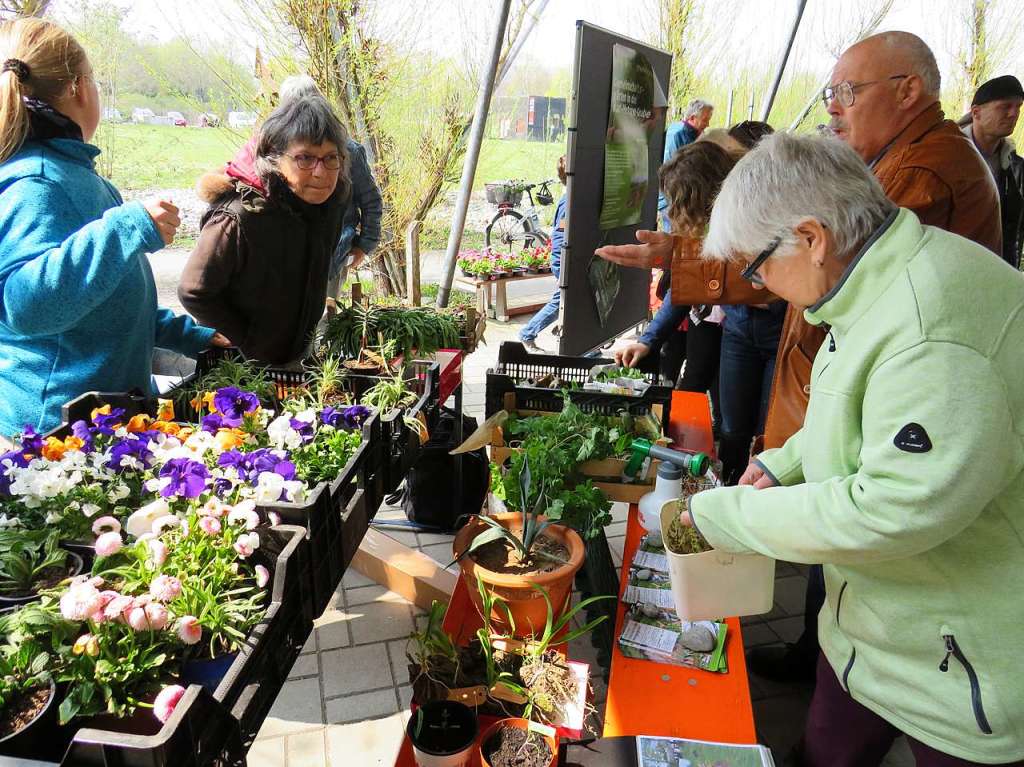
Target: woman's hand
{"points": [[756, 476], [655, 250], [630, 356], [165, 216], [220, 340]]}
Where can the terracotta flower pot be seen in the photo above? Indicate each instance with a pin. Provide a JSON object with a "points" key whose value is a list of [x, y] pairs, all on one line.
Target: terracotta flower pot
{"points": [[526, 604], [519, 724]]}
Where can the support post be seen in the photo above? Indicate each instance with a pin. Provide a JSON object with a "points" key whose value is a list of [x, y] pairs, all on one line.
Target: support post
{"points": [[750, 107], [412, 262], [476, 136], [728, 111], [769, 97]]}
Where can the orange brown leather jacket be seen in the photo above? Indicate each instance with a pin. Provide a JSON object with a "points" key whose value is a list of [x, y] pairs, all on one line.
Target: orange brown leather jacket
{"points": [[931, 168]]}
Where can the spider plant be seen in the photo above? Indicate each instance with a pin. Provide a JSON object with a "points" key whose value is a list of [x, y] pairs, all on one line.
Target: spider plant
{"points": [[25, 556]]}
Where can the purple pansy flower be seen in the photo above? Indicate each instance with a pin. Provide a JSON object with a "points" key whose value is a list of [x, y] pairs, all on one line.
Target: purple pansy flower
{"points": [[31, 441], [187, 478], [106, 422], [137, 449], [350, 418], [234, 404], [303, 428], [235, 460], [11, 459], [267, 460], [222, 485], [213, 423], [84, 432]]}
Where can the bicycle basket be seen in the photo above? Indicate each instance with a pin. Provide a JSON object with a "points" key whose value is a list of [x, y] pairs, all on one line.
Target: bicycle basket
{"points": [[544, 196], [503, 193]]}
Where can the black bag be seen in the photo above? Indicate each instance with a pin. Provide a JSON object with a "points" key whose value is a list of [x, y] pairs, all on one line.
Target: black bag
{"points": [[430, 492]]}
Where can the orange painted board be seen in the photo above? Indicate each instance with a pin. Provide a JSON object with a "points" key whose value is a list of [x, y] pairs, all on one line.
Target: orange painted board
{"points": [[648, 698], [690, 423]]}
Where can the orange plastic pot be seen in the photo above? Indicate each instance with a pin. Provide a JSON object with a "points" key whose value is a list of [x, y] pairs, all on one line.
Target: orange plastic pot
{"points": [[527, 605], [519, 724]]}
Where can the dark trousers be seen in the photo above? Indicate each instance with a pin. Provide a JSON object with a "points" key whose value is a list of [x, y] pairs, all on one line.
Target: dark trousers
{"points": [[840, 732], [807, 644], [671, 355], [747, 368], [703, 355]]}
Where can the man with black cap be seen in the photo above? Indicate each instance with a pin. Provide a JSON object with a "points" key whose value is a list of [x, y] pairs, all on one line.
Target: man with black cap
{"points": [[993, 117]]}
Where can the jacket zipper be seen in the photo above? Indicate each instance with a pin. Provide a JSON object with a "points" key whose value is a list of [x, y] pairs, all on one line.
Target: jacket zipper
{"points": [[952, 648], [853, 654], [831, 341]]}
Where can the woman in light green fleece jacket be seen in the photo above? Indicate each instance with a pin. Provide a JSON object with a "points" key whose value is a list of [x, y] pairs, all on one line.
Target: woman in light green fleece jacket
{"points": [[907, 478]]}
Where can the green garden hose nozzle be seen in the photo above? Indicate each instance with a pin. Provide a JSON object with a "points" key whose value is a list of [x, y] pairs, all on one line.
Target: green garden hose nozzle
{"points": [[695, 464]]}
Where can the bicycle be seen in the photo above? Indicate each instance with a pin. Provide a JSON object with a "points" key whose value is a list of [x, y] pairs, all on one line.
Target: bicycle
{"points": [[515, 229]]}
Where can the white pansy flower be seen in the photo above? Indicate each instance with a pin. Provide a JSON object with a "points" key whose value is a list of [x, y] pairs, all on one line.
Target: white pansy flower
{"points": [[281, 433], [53, 518], [89, 509], [269, 487], [141, 521], [6, 521]]}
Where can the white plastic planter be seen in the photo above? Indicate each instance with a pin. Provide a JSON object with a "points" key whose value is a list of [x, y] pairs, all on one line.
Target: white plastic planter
{"points": [[715, 584]]}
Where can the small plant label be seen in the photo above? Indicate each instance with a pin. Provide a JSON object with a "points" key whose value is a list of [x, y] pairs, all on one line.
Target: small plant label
{"points": [[542, 729], [661, 597], [652, 637], [651, 561]]}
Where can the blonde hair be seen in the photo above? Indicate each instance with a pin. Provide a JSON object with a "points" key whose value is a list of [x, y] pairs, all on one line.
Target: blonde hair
{"points": [[49, 59]]}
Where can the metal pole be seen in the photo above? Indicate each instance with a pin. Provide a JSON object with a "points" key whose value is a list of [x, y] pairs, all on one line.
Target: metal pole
{"points": [[750, 107], [476, 136], [769, 98], [728, 112]]}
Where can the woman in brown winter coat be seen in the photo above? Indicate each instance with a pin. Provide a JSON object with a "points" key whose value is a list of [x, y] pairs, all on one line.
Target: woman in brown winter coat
{"points": [[259, 271]]}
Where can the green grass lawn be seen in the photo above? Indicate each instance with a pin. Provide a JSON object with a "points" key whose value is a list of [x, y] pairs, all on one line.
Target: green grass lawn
{"points": [[157, 156]]}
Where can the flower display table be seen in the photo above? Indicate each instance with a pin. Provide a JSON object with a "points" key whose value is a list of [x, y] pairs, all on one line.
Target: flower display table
{"points": [[498, 308]]}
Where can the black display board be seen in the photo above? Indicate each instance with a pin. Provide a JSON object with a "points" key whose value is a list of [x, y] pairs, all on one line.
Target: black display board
{"points": [[595, 119]]}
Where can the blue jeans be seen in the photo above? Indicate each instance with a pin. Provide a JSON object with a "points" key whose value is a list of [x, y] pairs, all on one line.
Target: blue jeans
{"points": [[549, 312], [749, 344]]}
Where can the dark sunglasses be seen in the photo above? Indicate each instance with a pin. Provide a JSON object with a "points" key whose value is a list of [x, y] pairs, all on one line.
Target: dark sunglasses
{"points": [[750, 273]]}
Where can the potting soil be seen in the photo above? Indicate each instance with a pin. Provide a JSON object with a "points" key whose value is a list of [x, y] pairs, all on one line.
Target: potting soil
{"points": [[512, 747], [502, 557], [22, 709]]}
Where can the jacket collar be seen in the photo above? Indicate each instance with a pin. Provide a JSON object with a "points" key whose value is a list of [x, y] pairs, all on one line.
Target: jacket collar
{"points": [[1004, 149], [872, 270], [72, 150], [927, 120]]}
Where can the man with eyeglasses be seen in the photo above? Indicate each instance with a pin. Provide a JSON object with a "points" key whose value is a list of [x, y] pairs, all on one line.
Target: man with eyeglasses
{"points": [[883, 100]]}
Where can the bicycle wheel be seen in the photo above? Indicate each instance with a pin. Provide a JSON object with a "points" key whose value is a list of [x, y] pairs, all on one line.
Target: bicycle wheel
{"points": [[536, 238], [507, 232]]}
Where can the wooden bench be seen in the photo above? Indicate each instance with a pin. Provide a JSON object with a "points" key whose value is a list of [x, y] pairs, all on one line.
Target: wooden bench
{"points": [[499, 308]]}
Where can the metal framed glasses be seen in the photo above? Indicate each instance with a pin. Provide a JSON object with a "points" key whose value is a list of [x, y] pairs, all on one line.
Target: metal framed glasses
{"points": [[750, 273], [309, 161], [845, 92]]}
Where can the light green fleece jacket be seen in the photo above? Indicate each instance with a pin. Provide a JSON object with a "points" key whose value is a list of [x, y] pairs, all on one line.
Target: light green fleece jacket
{"points": [[907, 481]]}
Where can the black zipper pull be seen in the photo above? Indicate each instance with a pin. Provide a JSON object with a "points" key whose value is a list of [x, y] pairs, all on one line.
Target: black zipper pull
{"points": [[944, 666], [831, 342]]}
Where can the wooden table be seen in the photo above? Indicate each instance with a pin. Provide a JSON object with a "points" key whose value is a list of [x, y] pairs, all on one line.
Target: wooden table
{"points": [[499, 308], [648, 698]]}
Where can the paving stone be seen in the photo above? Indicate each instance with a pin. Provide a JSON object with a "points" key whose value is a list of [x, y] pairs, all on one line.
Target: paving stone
{"points": [[366, 594], [355, 670], [299, 701], [307, 748], [758, 634], [789, 629], [353, 579], [426, 539], [399, 663], [358, 708], [405, 537], [405, 696], [439, 552], [305, 665], [380, 621], [310, 645], [620, 511], [367, 744], [268, 752], [791, 593], [615, 530], [273, 727], [332, 630]]}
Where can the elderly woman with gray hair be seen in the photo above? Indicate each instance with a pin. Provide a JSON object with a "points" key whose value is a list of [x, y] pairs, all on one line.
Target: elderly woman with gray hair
{"points": [[907, 478], [259, 271]]}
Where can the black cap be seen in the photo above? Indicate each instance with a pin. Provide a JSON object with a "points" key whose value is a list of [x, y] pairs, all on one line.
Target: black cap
{"points": [[1005, 87]]}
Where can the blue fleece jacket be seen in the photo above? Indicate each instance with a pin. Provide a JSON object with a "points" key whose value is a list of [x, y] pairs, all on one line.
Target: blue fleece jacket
{"points": [[78, 304]]}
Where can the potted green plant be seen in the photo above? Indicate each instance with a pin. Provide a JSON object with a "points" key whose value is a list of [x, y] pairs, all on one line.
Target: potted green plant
{"points": [[517, 743], [443, 734], [513, 553], [32, 560], [27, 694], [706, 583]]}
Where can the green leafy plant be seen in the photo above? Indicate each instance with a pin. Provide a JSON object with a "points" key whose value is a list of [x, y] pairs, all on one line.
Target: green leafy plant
{"points": [[526, 541], [232, 372], [26, 556], [420, 329], [620, 372], [21, 669]]}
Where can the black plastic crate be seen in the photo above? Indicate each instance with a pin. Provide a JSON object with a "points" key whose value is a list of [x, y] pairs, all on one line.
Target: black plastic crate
{"points": [[80, 408], [600, 577], [516, 368]]}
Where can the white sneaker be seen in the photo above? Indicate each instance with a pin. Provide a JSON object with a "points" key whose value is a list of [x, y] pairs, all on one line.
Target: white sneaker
{"points": [[532, 347]]}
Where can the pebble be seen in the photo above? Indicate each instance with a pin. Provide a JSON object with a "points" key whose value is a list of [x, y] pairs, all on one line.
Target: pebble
{"points": [[651, 611], [698, 638], [643, 575]]}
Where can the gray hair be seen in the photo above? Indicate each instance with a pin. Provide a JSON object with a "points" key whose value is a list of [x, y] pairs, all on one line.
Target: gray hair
{"points": [[297, 87], [788, 179], [695, 107], [308, 119], [911, 49]]}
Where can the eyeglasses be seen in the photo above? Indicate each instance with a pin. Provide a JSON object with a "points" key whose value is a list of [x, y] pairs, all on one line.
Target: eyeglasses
{"points": [[750, 273], [309, 161], [845, 91]]}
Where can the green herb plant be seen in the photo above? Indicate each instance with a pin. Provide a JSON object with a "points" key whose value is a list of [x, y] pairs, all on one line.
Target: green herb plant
{"points": [[21, 669], [239, 373], [620, 372], [25, 557]]}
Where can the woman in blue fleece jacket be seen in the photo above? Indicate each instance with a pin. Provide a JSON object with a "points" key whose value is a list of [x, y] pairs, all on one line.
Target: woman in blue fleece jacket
{"points": [[78, 304]]}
